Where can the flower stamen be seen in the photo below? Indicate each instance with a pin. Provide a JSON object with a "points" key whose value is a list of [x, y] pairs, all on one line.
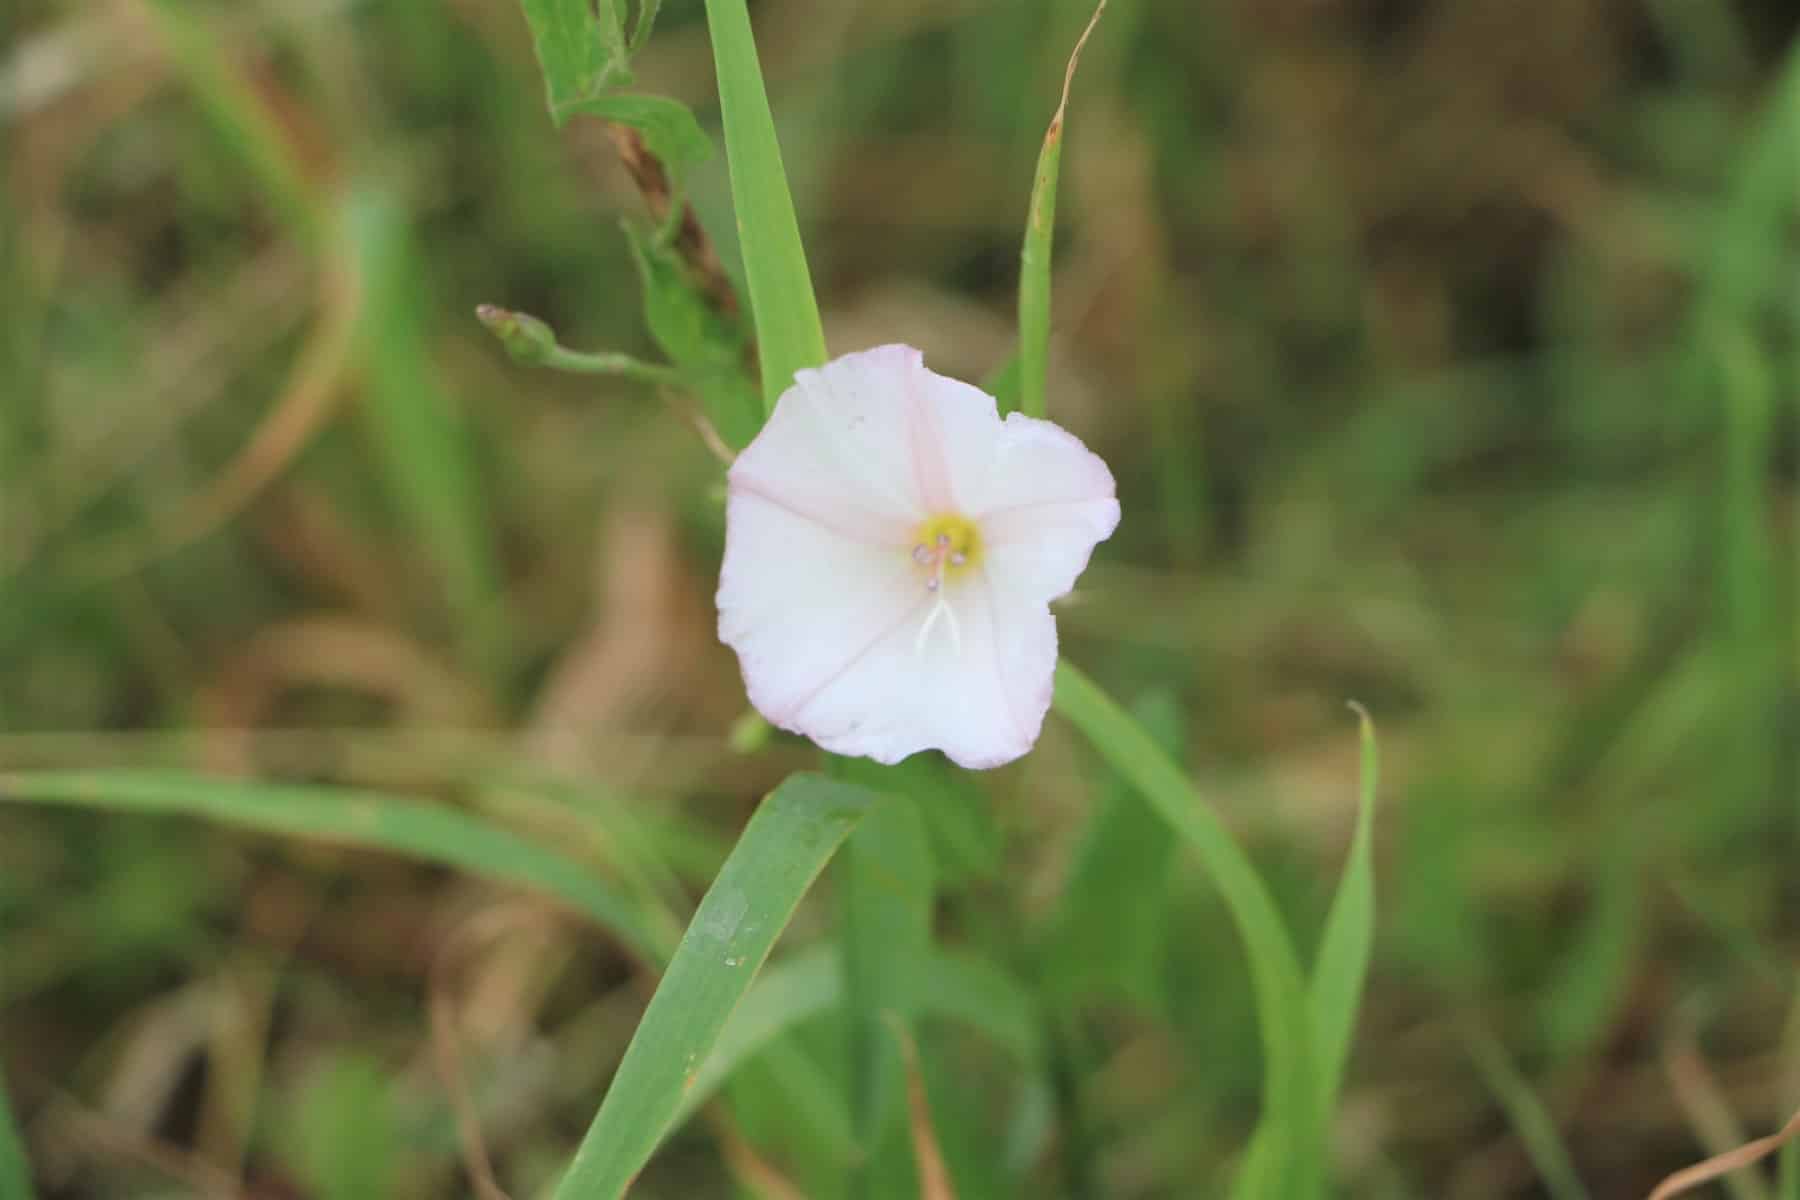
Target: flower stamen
{"points": [[945, 544]]}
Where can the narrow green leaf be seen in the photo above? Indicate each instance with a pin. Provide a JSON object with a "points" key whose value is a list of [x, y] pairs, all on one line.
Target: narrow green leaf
{"points": [[784, 996], [669, 128], [1110, 921], [1288, 1160], [960, 988], [789, 335], [15, 1171], [1746, 260], [240, 118], [1530, 1119], [785, 1100], [346, 1131], [425, 444], [977, 993], [1343, 961], [1002, 383], [1592, 979], [581, 49], [958, 816], [345, 817], [782, 850], [887, 886], [640, 33], [1034, 258]]}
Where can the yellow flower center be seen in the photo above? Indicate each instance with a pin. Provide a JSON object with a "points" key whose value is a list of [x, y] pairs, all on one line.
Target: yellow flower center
{"points": [[946, 545]]}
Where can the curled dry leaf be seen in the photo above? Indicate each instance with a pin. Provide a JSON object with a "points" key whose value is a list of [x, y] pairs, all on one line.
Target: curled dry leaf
{"points": [[1688, 1178]]}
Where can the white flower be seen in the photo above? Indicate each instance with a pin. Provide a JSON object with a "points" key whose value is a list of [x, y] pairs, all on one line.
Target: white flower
{"points": [[891, 551]]}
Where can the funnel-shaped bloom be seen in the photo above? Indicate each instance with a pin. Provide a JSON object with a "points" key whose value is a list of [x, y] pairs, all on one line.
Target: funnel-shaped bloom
{"points": [[891, 551]]}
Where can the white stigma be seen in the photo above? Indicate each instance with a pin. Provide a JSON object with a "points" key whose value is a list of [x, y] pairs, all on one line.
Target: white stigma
{"points": [[936, 556], [939, 608]]}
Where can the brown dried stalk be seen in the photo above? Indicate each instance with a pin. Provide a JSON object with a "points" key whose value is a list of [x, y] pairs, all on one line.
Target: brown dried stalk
{"points": [[691, 241]]}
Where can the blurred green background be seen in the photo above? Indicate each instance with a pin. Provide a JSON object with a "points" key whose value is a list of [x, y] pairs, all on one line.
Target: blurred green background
{"points": [[1447, 356]]}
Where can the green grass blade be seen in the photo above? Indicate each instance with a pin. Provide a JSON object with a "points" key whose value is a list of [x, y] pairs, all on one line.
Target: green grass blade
{"points": [[1108, 930], [961, 988], [1530, 1119], [1034, 258], [646, 21], [346, 817], [426, 447], [1291, 1117], [887, 886], [1343, 962], [784, 996], [1582, 998], [1002, 383], [15, 1171], [782, 850], [979, 994], [789, 335], [1747, 261], [242, 120]]}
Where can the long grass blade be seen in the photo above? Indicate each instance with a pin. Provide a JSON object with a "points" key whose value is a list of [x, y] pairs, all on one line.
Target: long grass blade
{"points": [[241, 119], [886, 881], [426, 446], [346, 817], [1034, 258], [1530, 1119], [1107, 932], [789, 335], [782, 850], [1343, 962], [15, 1171], [1287, 1159]]}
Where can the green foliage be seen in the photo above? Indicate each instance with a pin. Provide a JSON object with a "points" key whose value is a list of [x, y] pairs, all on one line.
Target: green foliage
{"points": [[1531, 1120], [789, 335], [346, 1131], [888, 886], [706, 348], [1342, 966], [1034, 258], [1474, 403], [585, 53], [1286, 1160], [242, 120], [582, 49], [15, 1171], [1107, 935], [345, 817], [783, 848], [668, 127], [426, 444]]}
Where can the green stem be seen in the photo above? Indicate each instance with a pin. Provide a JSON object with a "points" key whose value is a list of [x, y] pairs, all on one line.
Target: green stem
{"points": [[532, 342], [581, 362]]}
